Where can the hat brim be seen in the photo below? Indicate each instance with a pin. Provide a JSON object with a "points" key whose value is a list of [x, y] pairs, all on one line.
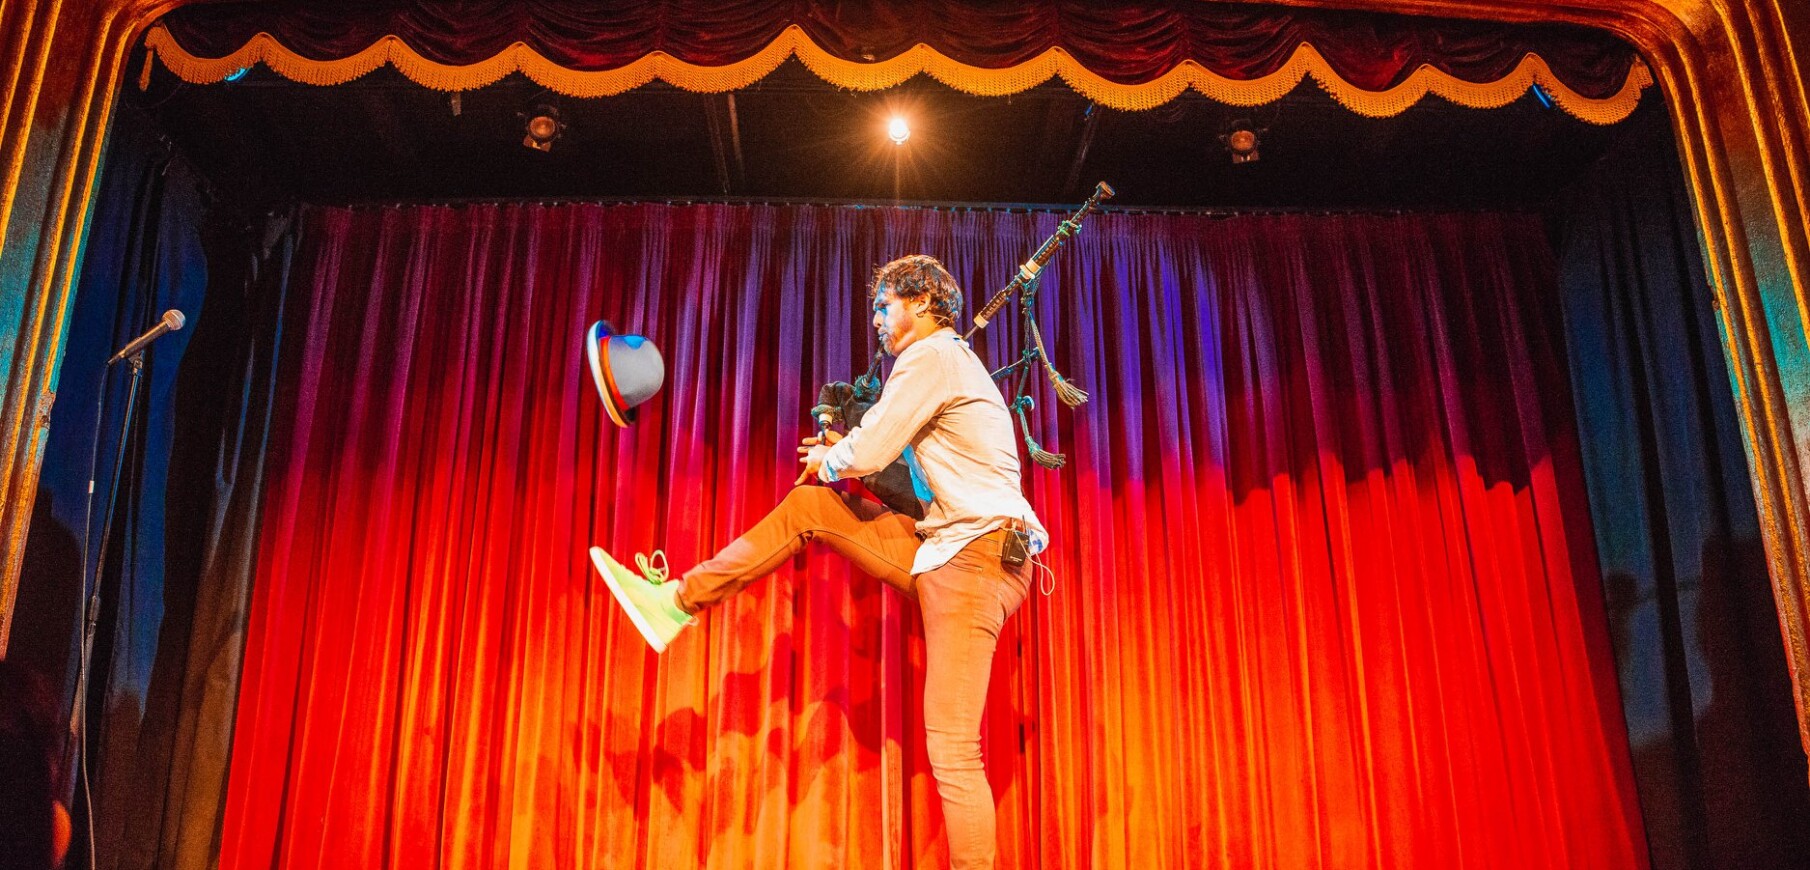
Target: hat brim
{"points": [[601, 376]]}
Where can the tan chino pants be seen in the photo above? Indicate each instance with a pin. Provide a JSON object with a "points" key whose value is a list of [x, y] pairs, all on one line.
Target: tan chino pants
{"points": [[964, 603]]}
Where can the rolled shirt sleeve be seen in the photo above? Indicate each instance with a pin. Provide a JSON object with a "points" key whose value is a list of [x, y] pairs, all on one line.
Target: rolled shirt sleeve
{"points": [[915, 392]]}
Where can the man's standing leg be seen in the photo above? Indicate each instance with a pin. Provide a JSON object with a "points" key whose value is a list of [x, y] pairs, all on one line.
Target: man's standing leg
{"points": [[964, 603]]}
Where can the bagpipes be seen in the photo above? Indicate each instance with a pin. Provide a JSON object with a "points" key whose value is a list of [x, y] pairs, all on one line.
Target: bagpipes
{"points": [[846, 403]]}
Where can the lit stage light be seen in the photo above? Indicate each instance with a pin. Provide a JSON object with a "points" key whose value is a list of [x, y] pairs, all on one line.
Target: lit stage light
{"points": [[1241, 140], [897, 130], [542, 125]]}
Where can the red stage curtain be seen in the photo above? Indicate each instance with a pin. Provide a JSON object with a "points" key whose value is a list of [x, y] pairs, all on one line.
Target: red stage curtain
{"points": [[1327, 593], [1126, 43]]}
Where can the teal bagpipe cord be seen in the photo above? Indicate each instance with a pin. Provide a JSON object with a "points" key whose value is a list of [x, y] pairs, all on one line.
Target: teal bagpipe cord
{"points": [[1019, 374]]}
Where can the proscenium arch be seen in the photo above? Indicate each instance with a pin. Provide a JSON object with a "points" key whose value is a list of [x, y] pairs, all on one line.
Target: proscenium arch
{"points": [[1735, 88]]}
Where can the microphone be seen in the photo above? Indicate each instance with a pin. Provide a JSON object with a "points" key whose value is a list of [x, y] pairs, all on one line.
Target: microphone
{"points": [[172, 321]]}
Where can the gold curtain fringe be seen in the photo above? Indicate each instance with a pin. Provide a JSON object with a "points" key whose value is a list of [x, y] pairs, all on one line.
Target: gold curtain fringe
{"points": [[920, 58]]}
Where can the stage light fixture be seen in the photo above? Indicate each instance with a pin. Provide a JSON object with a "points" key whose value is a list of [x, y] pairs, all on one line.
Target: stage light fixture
{"points": [[1241, 140], [897, 130], [542, 126]]}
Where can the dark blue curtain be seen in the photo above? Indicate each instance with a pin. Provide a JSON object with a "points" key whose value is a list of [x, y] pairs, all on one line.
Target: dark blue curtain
{"points": [[163, 674], [143, 256], [1701, 661]]}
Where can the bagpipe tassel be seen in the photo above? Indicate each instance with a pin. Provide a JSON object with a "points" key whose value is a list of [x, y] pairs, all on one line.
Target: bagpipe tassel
{"points": [[1038, 454], [1044, 457], [1066, 390], [1070, 394]]}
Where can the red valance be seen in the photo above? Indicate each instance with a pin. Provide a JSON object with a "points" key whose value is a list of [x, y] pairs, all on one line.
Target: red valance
{"points": [[1129, 55]]}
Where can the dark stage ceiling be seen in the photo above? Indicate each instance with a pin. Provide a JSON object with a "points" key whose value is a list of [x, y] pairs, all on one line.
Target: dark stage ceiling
{"points": [[264, 140]]}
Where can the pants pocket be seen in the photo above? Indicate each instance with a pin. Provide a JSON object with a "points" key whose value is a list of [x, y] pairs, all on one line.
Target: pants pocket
{"points": [[1012, 586]]}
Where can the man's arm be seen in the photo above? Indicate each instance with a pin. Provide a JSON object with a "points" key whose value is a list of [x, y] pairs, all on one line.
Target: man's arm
{"points": [[915, 393]]}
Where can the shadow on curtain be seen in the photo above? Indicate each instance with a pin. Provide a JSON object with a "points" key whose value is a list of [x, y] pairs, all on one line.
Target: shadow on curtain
{"points": [[1722, 774], [1328, 592]]}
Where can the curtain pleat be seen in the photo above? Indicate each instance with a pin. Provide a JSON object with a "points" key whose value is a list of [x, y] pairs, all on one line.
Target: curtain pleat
{"points": [[1325, 589]]}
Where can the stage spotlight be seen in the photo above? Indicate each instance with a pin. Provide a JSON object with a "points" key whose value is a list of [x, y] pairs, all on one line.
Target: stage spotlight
{"points": [[1241, 140], [542, 126], [897, 130]]}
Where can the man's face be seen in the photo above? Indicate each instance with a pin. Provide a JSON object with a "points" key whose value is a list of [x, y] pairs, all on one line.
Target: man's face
{"points": [[894, 321]]}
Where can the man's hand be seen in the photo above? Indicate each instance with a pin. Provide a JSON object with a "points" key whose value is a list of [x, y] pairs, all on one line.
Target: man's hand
{"points": [[810, 452]]}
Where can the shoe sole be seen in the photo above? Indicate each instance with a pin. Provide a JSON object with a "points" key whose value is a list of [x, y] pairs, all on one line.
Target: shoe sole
{"points": [[602, 562]]}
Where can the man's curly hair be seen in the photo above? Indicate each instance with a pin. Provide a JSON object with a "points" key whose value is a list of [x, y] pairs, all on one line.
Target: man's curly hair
{"points": [[917, 276]]}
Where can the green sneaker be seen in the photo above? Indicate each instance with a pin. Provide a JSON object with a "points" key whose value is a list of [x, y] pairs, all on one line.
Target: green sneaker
{"points": [[649, 605]]}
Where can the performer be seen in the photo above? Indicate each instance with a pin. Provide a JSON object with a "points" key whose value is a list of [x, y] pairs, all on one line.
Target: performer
{"points": [[965, 563]]}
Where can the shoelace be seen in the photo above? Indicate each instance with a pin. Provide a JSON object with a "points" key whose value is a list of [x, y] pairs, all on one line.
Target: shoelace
{"points": [[645, 564]]}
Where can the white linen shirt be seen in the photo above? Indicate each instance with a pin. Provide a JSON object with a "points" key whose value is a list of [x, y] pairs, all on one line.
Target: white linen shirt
{"points": [[943, 412]]}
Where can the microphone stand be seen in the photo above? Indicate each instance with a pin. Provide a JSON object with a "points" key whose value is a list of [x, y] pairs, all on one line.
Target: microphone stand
{"points": [[78, 718]]}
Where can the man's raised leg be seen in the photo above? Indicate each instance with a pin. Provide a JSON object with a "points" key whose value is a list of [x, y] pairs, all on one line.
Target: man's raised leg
{"points": [[878, 541]]}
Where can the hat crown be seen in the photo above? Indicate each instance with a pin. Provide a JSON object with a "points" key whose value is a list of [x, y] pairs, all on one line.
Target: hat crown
{"points": [[627, 370], [638, 367]]}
